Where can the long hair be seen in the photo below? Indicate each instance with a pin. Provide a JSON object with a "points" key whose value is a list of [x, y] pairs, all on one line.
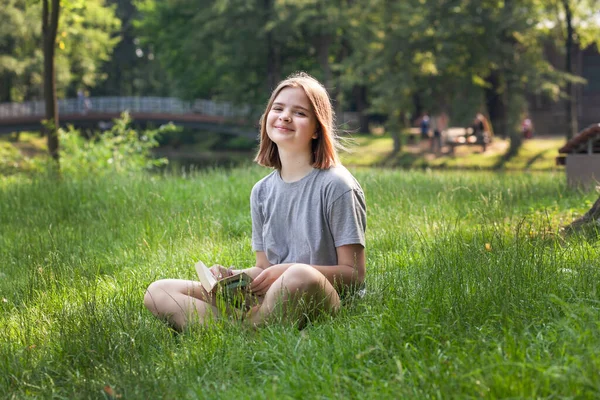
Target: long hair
{"points": [[324, 147], [487, 126]]}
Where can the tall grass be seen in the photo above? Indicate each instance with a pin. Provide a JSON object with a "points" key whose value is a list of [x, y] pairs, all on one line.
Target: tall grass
{"points": [[470, 292]]}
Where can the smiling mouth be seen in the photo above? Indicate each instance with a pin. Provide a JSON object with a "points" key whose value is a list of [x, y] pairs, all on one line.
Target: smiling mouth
{"points": [[282, 128]]}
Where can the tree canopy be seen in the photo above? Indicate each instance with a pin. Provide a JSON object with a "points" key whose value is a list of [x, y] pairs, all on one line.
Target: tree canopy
{"points": [[382, 58], [379, 56], [85, 38]]}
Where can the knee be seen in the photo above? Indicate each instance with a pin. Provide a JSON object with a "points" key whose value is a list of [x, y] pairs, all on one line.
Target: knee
{"points": [[303, 278], [155, 293]]}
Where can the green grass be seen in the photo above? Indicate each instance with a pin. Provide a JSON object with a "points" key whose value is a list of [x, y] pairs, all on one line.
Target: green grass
{"points": [[538, 154], [470, 292]]}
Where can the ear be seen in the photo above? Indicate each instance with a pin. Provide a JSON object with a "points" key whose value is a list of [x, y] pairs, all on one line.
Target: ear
{"points": [[316, 134]]}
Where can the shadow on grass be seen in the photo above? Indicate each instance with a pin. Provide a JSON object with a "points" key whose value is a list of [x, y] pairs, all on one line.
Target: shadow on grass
{"points": [[403, 160], [506, 157], [535, 158]]}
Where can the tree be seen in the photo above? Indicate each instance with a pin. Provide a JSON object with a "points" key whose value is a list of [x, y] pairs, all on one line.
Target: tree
{"points": [[574, 26], [570, 101], [13, 27], [591, 217], [80, 52], [132, 70], [50, 16], [381, 56], [84, 40], [211, 49]]}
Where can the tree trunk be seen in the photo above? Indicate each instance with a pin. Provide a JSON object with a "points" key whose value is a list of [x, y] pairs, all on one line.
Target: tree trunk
{"points": [[6, 88], [394, 126], [360, 99], [273, 64], [590, 217], [513, 114], [417, 107], [571, 101], [49, 29], [495, 104]]}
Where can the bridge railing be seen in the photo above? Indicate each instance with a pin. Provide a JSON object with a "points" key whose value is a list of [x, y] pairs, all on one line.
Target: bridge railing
{"points": [[165, 105]]}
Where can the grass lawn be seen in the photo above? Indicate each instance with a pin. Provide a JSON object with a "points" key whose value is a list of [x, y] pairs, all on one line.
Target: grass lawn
{"points": [[470, 292], [538, 154]]}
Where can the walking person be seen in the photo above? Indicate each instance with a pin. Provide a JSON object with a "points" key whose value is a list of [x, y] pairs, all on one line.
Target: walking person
{"points": [[424, 126], [308, 221], [439, 123]]}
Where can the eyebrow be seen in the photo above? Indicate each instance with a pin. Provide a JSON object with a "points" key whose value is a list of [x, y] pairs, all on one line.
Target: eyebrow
{"points": [[296, 106]]}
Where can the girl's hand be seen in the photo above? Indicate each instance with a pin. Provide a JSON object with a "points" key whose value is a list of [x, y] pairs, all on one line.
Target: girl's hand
{"points": [[220, 271], [261, 284]]}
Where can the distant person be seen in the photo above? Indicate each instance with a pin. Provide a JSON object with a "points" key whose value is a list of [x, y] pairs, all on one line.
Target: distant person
{"points": [[87, 103], [424, 125], [308, 221], [81, 101], [527, 128], [439, 123], [482, 130]]}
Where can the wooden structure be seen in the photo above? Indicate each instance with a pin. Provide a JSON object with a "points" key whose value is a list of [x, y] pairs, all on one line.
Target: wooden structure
{"points": [[582, 158], [456, 136]]}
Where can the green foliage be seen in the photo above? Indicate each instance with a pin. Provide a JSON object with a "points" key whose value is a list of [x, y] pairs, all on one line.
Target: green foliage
{"points": [[118, 150], [22, 157], [398, 57], [132, 70], [11, 160], [85, 40], [584, 18]]}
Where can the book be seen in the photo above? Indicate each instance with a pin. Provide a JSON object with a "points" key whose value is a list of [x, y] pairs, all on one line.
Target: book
{"points": [[231, 286]]}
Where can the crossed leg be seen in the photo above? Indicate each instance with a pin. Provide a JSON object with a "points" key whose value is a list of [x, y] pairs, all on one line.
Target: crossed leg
{"points": [[298, 295], [180, 302]]}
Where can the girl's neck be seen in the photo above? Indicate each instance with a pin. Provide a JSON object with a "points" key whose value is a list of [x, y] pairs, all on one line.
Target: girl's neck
{"points": [[294, 166]]}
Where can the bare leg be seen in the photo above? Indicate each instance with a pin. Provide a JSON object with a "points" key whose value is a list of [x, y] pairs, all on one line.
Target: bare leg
{"points": [[180, 302], [301, 292]]}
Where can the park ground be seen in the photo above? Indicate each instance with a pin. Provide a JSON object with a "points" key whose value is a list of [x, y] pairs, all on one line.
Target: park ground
{"points": [[375, 150], [471, 293], [538, 154]]}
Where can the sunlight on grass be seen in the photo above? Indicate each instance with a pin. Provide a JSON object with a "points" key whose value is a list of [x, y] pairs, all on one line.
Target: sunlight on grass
{"points": [[534, 155], [467, 279]]}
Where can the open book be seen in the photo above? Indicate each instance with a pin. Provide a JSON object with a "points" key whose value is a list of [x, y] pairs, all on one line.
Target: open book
{"points": [[231, 286]]}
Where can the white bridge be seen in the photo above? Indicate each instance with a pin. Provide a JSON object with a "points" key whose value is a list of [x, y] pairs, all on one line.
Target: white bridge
{"points": [[98, 112]]}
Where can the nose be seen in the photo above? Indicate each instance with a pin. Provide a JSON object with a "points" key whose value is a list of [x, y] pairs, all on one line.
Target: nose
{"points": [[285, 116]]}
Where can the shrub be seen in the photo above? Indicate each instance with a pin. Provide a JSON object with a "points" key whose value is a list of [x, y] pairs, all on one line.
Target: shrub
{"points": [[118, 150]]}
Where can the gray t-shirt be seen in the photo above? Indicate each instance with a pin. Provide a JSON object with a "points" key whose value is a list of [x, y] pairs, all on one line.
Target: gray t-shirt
{"points": [[304, 221]]}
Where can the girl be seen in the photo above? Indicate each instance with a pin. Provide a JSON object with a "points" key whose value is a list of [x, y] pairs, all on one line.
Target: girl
{"points": [[308, 220]]}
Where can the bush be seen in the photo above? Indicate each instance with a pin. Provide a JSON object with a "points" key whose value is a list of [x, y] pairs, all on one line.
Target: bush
{"points": [[118, 150], [13, 162]]}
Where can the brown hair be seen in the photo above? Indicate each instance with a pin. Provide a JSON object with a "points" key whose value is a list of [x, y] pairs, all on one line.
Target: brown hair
{"points": [[324, 147]]}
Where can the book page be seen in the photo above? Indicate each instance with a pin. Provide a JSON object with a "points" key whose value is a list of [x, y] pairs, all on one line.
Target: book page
{"points": [[207, 279]]}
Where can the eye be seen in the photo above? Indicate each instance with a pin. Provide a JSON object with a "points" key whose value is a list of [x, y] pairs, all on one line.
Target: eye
{"points": [[277, 108], [301, 113]]}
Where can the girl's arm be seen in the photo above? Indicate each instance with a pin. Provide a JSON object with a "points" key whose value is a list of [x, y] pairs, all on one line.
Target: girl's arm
{"points": [[261, 264], [349, 271]]}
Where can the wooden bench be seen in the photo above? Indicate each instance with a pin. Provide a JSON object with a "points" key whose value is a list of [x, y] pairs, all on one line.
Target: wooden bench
{"points": [[457, 136]]}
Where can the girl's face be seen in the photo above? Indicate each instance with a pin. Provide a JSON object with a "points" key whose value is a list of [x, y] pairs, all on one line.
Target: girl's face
{"points": [[291, 122]]}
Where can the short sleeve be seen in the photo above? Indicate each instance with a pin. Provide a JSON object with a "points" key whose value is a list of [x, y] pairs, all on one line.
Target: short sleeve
{"points": [[257, 220], [348, 218]]}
